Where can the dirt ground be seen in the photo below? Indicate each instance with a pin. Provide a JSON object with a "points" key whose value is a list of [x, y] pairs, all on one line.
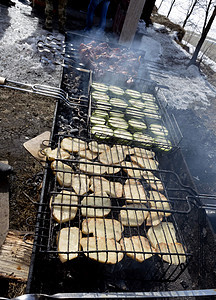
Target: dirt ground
{"points": [[22, 117]]}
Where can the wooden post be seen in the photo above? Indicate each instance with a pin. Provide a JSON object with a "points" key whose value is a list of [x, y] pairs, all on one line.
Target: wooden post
{"points": [[134, 12]]}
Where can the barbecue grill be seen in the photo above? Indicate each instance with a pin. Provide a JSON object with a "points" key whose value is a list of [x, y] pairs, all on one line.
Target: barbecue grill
{"points": [[116, 195]]}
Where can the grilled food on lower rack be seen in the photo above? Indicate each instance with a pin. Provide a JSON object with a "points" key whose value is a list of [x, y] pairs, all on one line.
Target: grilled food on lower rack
{"points": [[100, 184], [108, 228], [176, 253], [73, 145], [104, 250], [136, 247], [154, 182], [64, 206], [68, 243], [96, 205], [134, 192], [53, 154], [133, 215]]}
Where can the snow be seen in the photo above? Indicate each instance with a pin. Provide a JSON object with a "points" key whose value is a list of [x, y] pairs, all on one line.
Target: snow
{"points": [[20, 32]]}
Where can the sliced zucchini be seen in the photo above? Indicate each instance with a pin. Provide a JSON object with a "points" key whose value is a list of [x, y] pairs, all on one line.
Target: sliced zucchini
{"points": [[143, 138], [133, 112], [137, 125], [137, 103], [101, 113], [116, 114], [150, 116], [151, 105], [163, 143], [147, 96], [122, 135], [118, 103], [102, 132], [116, 91], [100, 87], [99, 96], [118, 123], [133, 94], [97, 120], [158, 129], [102, 105]]}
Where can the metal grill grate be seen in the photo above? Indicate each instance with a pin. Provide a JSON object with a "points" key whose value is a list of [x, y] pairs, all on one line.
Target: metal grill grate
{"points": [[109, 209]]}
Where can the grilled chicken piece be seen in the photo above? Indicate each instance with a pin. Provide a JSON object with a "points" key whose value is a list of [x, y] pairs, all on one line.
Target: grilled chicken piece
{"points": [[100, 185], [73, 145], [109, 228], [103, 245], [65, 212], [69, 241], [132, 215], [56, 153], [88, 167], [172, 249], [136, 246], [145, 163], [162, 233], [153, 181], [134, 192], [101, 203]]}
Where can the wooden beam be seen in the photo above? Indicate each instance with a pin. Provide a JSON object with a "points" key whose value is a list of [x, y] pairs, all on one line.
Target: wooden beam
{"points": [[134, 12], [15, 257]]}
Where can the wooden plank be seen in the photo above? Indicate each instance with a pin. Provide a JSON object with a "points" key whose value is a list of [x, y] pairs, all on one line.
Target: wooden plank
{"points": [[15, 257], [4, 207], [133, 14]]}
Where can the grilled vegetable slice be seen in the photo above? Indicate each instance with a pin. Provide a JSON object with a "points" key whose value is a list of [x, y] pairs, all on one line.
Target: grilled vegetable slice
{"points": [[158, 129], [73, 145], [69, 241], [133, 215], [98, 148], [118, 103], [116, 114], [117, 123], [99, 96], [134, 192], [100, 184], [162, 233], [163, 143], [123, 136], [115, 91], [56, 153], [137, 125], [133, 93], [101, 249], [97, 120], [99, 205], [136, 246], [133, 112], [114, 156], [101, 113], [146, 139], [109, 228], [88, 167], [102, 132], [172, 249], [137, 103], [146, 163], [100, 87], [151, 106], [148, 97]]}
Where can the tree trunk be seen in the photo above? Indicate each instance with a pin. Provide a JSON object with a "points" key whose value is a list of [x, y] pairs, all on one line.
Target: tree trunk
{"points": [[173, 2], [189, 13], [202, 39]]}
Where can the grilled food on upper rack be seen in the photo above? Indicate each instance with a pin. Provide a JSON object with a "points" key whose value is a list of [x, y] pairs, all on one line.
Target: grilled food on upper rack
{"points": [[96, 205], [133, 214], [134, 192]]}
